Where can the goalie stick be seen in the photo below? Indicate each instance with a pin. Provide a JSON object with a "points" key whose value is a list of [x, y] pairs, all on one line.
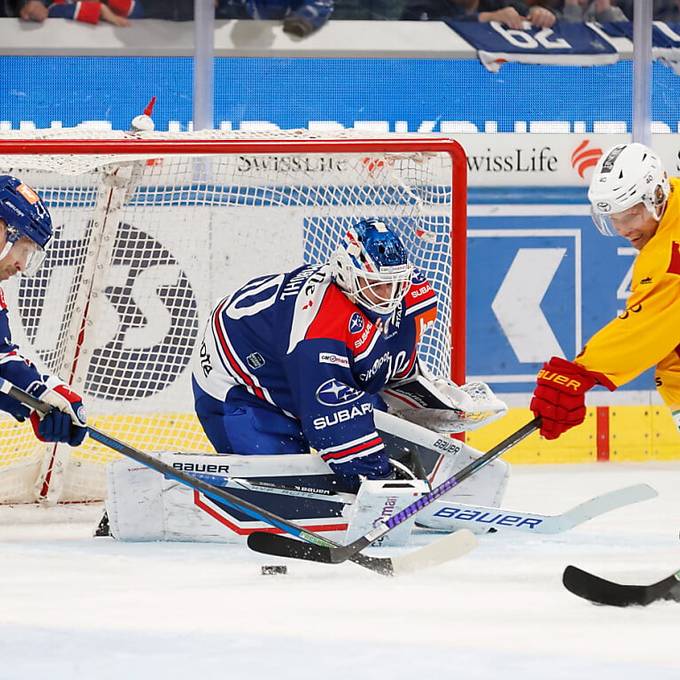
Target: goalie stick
{"points": [[601, 591], [260, 542], [452, 546], [533, 523], [497, 518]]}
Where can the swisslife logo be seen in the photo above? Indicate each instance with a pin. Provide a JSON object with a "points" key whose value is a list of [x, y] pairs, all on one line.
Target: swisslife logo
{"points": [[534, 159], [585, 156]]}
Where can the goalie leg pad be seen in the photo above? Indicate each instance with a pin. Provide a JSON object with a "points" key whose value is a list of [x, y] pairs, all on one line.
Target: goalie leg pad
{"points": [[144, 506], [486, 487]]}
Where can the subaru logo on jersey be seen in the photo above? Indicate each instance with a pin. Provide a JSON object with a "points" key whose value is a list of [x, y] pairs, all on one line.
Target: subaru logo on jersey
{"points": [[255, 360], [356, 323], [334, 393]]}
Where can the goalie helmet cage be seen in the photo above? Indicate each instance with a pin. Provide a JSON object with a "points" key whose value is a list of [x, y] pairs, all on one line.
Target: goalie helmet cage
{"points": [[152, 229]]}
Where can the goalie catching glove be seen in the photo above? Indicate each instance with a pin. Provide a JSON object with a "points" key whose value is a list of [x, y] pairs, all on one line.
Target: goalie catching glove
{"points": [[66, 422], [442, 406]]}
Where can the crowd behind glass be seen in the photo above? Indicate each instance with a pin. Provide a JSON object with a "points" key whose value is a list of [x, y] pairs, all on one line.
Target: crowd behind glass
{"points": [[302, 17]]}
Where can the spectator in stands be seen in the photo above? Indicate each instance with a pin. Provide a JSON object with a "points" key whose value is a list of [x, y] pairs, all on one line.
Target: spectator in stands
{"points": [[115, 12], [592, 10], [300, 17], [664, 10], [512, 14], [667, 10]]}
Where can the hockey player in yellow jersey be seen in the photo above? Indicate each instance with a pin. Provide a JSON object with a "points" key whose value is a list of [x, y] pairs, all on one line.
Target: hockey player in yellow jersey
{"points": [[630, 196]]}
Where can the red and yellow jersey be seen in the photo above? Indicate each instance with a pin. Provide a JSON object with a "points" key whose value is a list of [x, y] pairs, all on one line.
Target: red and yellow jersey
{"points": [[647, 333]]}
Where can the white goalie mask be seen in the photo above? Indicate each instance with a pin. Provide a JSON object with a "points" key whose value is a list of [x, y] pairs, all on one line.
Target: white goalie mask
{"points": [[372, 268], [627, 174]]}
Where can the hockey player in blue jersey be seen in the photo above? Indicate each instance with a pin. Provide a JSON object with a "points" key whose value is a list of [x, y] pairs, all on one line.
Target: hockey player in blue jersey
{"points": [[298, 360], [25, 231]]}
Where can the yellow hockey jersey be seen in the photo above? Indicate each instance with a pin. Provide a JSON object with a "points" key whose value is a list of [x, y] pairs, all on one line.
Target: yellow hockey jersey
{"points": [[647, 333]]}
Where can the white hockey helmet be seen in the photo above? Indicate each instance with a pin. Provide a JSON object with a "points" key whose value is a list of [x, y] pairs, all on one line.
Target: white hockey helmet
{"points": [[370, 256], [627, 174]]}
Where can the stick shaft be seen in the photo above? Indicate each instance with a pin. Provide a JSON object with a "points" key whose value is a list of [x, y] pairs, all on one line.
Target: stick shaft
{"points": [[178, 475]]}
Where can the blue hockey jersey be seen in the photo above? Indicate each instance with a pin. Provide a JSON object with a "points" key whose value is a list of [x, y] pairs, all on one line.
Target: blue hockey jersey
{"points": [[297, 342], [15, 368]]}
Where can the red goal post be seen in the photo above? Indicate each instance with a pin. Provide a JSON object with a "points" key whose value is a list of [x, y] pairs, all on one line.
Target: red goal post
{"points": [[152, 228]]}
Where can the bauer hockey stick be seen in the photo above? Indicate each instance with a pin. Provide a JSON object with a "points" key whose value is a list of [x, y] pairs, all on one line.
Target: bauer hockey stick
{"points": [[440, 551], [287, 547]]}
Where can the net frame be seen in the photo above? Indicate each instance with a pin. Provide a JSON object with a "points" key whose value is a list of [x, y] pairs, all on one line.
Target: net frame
{"points": [[122, 149]]}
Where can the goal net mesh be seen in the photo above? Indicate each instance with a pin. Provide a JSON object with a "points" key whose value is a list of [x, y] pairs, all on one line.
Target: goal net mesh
{"points": [[144, 245]]}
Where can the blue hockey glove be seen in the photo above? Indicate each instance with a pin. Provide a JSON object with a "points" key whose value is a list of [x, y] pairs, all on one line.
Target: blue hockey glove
{"points": [[17, 410], [66, 422]]}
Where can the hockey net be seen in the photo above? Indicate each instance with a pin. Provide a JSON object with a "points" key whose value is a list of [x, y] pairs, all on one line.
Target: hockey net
{"points": [[152, 229]]}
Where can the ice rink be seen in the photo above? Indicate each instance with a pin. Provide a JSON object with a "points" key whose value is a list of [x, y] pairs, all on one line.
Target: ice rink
{"points": [[76, 607]]}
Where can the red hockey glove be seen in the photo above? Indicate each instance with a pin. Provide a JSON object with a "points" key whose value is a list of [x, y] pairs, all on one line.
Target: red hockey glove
{"points": [[560, 396]]}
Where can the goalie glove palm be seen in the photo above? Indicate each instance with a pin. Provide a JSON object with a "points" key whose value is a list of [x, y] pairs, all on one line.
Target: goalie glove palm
{"points": [[66, 422], [560, 396]]}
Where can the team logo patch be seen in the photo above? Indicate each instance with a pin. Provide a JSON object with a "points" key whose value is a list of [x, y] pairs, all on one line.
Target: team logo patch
{"points": [[3, 304], [334, 359], [334, 393], [356, 323], [28, 193], [255, 360]]}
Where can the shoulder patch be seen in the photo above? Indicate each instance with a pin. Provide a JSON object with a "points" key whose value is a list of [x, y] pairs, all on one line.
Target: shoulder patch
{"points": [[356, 323], [420, 295], [3, 304], [674, 265]]}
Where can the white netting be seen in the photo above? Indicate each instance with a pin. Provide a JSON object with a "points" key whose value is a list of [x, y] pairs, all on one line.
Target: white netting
{"points": [[143, 248]]}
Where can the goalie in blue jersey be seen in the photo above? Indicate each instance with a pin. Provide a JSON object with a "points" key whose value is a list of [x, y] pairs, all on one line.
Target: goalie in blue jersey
{"points": [[25, 231], [300, 360]]}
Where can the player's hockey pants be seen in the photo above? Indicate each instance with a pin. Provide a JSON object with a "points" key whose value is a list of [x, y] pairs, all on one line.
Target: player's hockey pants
{"points": [[245, 424]]}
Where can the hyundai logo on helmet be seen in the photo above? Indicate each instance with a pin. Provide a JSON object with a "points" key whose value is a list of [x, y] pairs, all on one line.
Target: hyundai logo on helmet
{"points": [[334, 393], [603, 206]]}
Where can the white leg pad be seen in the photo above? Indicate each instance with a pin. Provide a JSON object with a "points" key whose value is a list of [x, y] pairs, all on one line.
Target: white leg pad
{"points": [[144, 506], [484, 487]]}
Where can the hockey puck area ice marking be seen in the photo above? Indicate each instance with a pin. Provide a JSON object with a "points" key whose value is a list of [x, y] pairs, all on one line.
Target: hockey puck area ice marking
{"points": [[273, 569]]}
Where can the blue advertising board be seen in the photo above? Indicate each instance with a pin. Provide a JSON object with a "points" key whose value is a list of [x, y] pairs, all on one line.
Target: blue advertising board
{"points": [[398, 94], [539, 284]]}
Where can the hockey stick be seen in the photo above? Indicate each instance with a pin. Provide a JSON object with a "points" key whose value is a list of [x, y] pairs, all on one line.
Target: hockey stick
{"points": [[500, 518], [601, 591], [458, 543], [261, 542], [497, 518]]}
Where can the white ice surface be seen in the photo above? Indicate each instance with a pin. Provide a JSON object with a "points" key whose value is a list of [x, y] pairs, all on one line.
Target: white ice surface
{"points": [[76, 607]]}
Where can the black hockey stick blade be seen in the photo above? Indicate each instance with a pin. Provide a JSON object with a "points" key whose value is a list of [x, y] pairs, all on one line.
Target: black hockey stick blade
{"points": [[601, 591], [438, 552], [275, 544]]}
